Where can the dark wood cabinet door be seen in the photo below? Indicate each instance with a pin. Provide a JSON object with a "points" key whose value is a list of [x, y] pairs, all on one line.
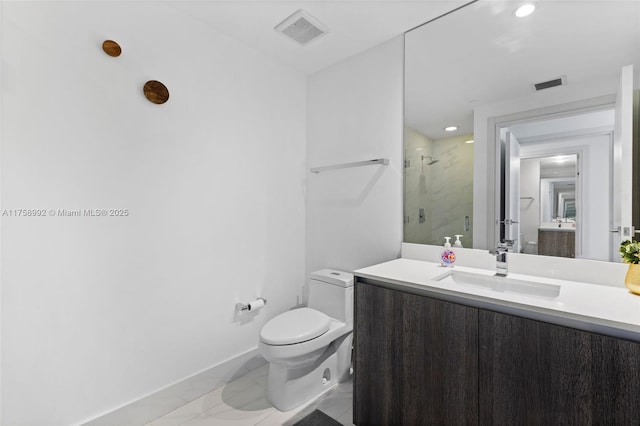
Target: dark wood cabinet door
{"points": [[416, 360], [557, 243], [377, 356], [535, 373]]}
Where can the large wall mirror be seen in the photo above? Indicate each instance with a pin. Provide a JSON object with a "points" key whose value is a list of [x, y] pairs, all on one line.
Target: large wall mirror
{"points": [[521, 128]]}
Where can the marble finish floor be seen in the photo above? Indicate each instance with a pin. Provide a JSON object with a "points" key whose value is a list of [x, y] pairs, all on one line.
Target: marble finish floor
{"points": [[244, 402]]}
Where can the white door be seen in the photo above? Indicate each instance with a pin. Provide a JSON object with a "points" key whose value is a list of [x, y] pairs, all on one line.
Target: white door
{"points": [[512, 190], [622, 228]]}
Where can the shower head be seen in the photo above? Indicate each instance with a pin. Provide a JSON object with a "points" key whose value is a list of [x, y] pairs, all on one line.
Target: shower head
{"points": [[431, 160]]}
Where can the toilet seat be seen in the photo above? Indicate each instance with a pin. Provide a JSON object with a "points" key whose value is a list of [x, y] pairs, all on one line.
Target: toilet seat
{"points": [[296, 326]]}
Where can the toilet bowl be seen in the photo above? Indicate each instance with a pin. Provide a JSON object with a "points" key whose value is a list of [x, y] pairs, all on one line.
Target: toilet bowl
{"points": [[309, 349]]}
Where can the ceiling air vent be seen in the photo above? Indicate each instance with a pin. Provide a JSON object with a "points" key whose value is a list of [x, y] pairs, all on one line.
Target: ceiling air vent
{"points": [[302, 28], [560, 81]]}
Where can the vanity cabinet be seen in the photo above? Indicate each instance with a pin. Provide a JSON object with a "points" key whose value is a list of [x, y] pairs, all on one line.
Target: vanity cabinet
{"points": [[555, 242], [537, 373], [421, 360], [416, 359]]}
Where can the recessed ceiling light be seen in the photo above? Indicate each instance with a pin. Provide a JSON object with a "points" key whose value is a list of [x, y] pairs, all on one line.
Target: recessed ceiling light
{"points": [[524, 10], [451, 128], [469, 141]]}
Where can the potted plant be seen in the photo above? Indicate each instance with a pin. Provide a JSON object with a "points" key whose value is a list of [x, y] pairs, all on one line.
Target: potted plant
{"points": [[630, 253]]}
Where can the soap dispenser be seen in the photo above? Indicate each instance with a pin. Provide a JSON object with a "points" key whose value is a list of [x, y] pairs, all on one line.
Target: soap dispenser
{"points": [[448, 255], [457, 242]]}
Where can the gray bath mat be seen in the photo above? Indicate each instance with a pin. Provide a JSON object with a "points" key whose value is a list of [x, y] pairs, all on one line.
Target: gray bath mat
{"points": [[317, 418]]}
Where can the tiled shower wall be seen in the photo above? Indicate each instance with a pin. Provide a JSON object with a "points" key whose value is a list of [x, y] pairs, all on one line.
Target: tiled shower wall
{"points": [[444, 189], [417, 191]]}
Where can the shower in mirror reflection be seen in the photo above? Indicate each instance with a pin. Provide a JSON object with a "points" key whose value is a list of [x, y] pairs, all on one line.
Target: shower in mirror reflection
{"points": [[438, 183], [431, 162]]}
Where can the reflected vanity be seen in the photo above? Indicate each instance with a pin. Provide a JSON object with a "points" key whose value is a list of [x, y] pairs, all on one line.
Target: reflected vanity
{"points": [[550, 212]]}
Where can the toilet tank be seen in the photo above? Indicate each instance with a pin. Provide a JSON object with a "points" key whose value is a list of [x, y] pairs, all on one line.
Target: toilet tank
{"points": [[331, 292]]}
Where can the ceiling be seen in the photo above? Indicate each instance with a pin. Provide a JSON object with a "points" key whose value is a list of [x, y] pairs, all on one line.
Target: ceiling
{"points": [[563, 165], [354, 25], [589, 122], [482, 54]]}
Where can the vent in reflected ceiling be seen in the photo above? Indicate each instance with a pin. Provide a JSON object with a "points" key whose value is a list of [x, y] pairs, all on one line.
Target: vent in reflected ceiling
{"points": [[560, 81]]}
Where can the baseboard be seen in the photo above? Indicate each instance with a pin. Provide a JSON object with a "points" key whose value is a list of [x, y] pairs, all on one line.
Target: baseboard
{"points": [[176, 395]]}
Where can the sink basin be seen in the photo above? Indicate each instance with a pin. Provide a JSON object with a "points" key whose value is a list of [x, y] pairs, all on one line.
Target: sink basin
{"points": [[500, 284]]}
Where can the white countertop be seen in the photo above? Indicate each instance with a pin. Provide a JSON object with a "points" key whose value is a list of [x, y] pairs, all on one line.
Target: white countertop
{"points": [[591, 307], [557, 226]]}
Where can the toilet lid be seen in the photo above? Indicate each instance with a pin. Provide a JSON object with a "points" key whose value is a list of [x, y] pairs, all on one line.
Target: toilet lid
{"points": [[296, 326]]}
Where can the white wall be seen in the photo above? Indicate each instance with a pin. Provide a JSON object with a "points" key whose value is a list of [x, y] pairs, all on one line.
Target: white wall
{"points": [[97, 312], [354, 216], [529, 208], [1, 220]]}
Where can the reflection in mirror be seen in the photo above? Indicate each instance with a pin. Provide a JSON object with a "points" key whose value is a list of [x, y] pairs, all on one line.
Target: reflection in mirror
{"points": [[566, 174], [478, 68], [438, 188], [548, 214], [565, 168]]}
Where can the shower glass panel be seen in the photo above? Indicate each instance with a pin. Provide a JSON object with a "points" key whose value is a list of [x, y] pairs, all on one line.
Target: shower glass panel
{"points": [[438, 187]]}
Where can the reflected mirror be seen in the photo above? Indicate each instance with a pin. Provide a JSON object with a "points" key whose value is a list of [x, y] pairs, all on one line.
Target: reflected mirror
{"points": [[543, 98], [548, 205]]}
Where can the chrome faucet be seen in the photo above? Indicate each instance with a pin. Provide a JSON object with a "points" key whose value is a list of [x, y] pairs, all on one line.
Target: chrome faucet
{"points": [[500, 252]]}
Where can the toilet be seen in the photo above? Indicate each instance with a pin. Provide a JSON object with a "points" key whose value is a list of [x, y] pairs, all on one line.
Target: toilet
{"points": [[309, 349]]}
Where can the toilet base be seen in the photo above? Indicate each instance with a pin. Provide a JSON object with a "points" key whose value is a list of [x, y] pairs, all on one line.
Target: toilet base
{"points": [[289, 388]]}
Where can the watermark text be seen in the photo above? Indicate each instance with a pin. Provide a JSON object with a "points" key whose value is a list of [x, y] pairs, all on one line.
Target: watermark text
{"points": [[65, 213]]}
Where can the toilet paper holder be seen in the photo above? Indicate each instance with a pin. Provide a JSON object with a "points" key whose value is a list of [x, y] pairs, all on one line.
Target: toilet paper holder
{"points": [[248, 307]]}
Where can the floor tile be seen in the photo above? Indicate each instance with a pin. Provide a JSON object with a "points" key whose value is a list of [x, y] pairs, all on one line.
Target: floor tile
{"points": [[278, 418], [205, 402], [247, 408], [347, 418], [262, 371], [260, 376], [293, 420], [334, 403], [224, 415], [244, 402]]}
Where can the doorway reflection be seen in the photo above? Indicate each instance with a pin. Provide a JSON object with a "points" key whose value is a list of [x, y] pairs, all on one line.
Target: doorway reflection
{"points": [[564, 185], [549, 205]]}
